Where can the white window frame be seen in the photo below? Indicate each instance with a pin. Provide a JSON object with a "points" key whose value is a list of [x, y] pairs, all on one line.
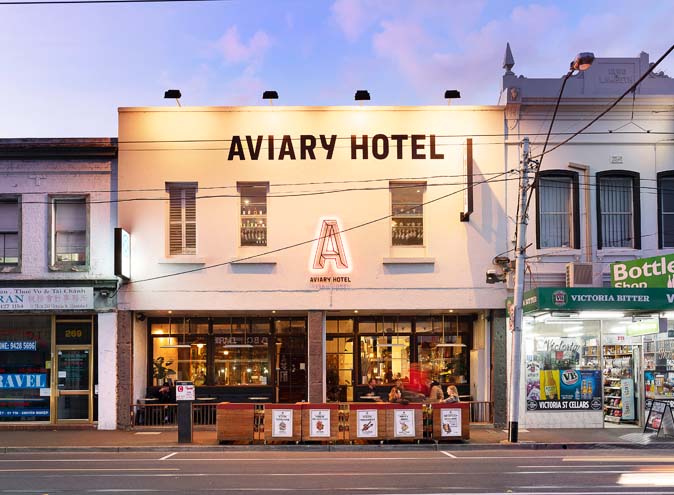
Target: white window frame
{"points": [[68, 264], [181, 219], [253, 226], [568, 180], [407, 218]]}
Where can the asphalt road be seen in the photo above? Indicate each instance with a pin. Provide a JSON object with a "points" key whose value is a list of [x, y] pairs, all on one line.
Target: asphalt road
{"points": [[386, 472]]}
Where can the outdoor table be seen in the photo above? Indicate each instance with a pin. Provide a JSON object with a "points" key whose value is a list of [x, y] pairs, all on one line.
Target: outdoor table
{"points": [[283, 422], [320, 422], [234, 422], [367, 421], [451, 421], [404, 421]]}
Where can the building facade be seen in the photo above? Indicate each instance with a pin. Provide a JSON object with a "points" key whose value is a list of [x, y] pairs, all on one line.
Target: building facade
{"points": [[286, 254], [58, 339], [604, 197]]}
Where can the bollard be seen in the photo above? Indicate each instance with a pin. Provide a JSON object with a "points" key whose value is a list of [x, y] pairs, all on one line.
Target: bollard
{"points": [[184, 398]]}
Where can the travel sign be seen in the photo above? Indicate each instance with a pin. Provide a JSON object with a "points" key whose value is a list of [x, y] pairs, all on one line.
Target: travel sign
{"points": [[656, 272]]}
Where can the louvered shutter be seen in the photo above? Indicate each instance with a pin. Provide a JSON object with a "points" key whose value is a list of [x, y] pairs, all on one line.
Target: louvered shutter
{"points": [[182, 220]]}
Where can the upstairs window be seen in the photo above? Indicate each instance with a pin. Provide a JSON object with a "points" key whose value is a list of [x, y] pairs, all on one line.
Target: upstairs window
{"points": [[557, 224], [182, 238], [69, 240], [253, 213], [666, 209], [618, 210], [10, 215], [407, 213]]}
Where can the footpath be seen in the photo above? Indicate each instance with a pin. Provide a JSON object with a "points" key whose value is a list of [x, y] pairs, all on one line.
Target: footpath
{"points": [[482, 438]]}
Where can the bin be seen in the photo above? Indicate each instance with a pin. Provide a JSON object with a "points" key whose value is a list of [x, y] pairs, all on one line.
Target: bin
{"points": [[451, 421], [404, 422], [320, 423], [283, 422], [367, 421], [234, 422]]}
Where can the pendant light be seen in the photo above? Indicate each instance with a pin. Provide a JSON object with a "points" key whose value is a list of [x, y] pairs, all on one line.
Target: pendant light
{"points": [[176, 346], [243, 345], [383, 334], [450, 344]]}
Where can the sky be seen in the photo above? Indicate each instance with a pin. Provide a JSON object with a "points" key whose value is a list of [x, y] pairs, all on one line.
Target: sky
{"points": [[67, 68]]}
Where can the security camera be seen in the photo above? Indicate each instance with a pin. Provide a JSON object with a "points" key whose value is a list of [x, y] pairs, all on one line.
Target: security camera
{"points": [[494, 277], [140, 316]]}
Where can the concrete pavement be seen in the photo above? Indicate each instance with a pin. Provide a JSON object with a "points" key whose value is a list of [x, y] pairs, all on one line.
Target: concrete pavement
{"points": [[167, 440]]}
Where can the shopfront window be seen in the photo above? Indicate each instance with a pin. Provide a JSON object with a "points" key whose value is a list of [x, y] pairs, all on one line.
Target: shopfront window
{"points": [[385, 356], [241, 352], [443, 346], [563, 367], [179, 352], [25, 368]]}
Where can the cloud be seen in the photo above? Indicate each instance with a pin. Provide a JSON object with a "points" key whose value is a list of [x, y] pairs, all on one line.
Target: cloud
{"points": [[237, 51]]}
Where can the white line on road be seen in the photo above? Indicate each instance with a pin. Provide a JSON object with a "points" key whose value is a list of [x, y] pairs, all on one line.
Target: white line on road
{"points": [[448, 454], [168, 456], [667, 459], [38, 470]]}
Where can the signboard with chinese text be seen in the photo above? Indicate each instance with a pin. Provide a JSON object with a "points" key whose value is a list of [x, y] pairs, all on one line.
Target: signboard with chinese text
{"points": [[46, 298]]}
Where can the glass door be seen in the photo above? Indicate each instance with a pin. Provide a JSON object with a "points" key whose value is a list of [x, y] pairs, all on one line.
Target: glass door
{"points": [[73, 378]]}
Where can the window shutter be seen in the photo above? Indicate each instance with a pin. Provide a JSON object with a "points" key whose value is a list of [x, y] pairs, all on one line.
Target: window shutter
{"points": [[182, 220], [190, 221]]}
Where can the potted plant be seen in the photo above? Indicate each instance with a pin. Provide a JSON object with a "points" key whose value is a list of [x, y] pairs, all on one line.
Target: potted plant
{"points": [[161, 370]]}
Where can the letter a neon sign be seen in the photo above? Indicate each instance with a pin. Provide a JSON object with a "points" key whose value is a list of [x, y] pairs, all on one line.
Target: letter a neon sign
{"points": [[329, 246]]}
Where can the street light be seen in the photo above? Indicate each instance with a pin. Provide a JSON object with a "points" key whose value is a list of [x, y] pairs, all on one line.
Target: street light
{"points": [[582, 62]]}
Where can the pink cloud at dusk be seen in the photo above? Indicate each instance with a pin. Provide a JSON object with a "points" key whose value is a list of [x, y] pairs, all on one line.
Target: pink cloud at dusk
{"points": [[236, 51]]}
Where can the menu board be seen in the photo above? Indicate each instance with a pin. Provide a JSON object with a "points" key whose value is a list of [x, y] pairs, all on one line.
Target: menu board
{"points": [[404, 423], [657, 410], [319, 422], [367, 424], [282, 423], [450, 422]]}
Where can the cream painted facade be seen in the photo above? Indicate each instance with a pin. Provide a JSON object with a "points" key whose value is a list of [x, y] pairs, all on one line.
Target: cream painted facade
{"points": [[193, 145]]}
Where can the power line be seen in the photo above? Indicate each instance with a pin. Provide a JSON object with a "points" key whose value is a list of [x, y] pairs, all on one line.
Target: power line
{"points": [[302, 243], [75, 2]]}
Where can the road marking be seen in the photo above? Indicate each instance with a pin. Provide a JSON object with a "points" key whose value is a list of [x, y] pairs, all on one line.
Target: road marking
{"points": [[168, 456], [667, 459], [148, 433], [448, 454], [37, 470]]}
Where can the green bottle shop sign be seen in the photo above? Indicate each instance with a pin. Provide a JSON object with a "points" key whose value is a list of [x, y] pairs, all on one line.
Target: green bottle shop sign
{"points": [[590, 298], [656, 272]]}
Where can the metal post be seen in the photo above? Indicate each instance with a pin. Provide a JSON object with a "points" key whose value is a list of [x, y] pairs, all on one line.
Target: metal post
{"points": [[518, 297], [185, 421]]}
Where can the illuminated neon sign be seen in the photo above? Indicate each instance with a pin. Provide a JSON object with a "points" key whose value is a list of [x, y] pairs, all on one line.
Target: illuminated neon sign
{"points": [[330, 260]]}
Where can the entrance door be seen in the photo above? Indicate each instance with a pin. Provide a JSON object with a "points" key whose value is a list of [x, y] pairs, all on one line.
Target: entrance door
{"points": [[291, 361], [73, 375]]}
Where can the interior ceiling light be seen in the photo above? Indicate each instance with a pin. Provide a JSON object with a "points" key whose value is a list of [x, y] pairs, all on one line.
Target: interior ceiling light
{"points": [[175, 346], [450, 344]]}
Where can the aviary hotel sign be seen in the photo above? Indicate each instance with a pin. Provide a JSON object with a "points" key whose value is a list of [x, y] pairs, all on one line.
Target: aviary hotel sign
{"points": [[655, 272]]}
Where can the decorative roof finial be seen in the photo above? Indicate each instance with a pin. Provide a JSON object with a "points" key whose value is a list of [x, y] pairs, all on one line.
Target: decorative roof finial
{"points": [[508, 60]]}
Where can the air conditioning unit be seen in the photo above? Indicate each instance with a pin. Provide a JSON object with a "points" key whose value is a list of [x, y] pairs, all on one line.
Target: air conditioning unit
{"points": [[579, 274]]}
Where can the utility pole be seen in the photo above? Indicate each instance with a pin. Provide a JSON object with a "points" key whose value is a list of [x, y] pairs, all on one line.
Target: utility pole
{"points": [[516, 309]]}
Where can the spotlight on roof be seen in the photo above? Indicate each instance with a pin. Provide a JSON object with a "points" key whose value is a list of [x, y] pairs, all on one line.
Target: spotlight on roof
{"points": [[362, 95], [583, 61], [452, 94], [173, 94], [270, 95]]}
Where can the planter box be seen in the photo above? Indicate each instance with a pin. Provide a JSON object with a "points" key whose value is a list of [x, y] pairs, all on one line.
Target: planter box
{"points": [[235, 422], [320, 423], [404, 422], [367, 421], [451, 421], [282, 422]]}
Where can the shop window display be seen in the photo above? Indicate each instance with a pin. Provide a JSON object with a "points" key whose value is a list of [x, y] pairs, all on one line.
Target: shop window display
{"points": [[25, 368], [562, 364]]}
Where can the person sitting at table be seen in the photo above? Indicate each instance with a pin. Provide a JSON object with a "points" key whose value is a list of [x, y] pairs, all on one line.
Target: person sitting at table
{"points": [[371, 389], [435, 394], [452, 394], [396, 393]]}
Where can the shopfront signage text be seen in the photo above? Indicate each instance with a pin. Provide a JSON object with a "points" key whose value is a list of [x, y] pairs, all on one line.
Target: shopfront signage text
{"points": [[655, 272], [5, 413], [28, 380], [307, 146], [46, 298], [330, 261], [18, 346], [574, 299]]}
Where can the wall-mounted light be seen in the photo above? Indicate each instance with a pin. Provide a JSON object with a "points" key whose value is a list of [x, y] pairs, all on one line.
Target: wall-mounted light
{"points": [[452, 94], [271, 96], [362, 95], [173, 94]]}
